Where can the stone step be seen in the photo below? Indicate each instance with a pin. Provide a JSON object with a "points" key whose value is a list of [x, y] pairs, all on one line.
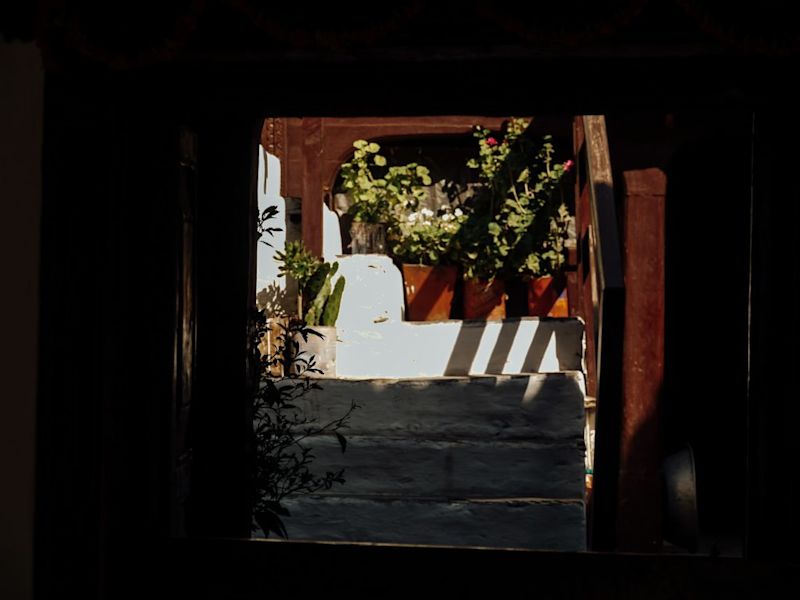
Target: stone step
{"points": [[487, 469], [399, 349], [478, 461], [532, 407], [532, 523]]}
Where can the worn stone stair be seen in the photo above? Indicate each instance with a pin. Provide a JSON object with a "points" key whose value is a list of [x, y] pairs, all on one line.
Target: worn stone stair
{"points": [[506, 523], [482, 460]]}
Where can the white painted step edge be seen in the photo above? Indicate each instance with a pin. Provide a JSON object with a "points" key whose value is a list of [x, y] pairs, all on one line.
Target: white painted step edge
{"points": [[399, 349]]}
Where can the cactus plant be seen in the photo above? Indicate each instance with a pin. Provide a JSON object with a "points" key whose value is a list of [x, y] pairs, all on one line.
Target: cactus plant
{"points": [[316, 281], [324, 307], [331, 311], [318, 299]]}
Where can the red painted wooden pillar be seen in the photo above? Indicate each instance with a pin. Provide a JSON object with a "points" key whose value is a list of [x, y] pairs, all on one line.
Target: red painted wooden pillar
{"points": [[639, 500], [312, 185]]}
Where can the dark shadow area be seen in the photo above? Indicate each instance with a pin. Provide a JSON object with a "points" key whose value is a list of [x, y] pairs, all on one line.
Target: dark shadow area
{"points": [[707, 267], [641, 526], [465, 348], [533, 359], [502, 347], [706, 158], [565, 353], [345, 220], [773, 411], [450, 571], [516, 298], [470, 334], [272, 299]]}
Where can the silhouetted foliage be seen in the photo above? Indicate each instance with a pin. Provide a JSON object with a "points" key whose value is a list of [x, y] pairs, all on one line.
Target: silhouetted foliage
{"points": [[282, 456]]}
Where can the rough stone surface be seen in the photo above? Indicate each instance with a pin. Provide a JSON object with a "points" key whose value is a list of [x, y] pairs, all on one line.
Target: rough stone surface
{"points": [[524, 407], [490, 469], [519, 523], [478, 461]]}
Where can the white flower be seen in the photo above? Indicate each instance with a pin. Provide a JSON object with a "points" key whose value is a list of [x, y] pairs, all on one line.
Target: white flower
{"points": [[447, 217], [458, 212], [412, 217], [426, 212]]}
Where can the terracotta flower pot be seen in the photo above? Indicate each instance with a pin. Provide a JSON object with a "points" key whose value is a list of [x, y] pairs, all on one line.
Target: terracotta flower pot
{"points": [[544, 297], [482, 301], [429, 291]]}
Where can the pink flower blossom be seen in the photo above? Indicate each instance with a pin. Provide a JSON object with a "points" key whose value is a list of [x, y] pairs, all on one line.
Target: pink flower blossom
{"points": [[568, 165], [491, 141]]}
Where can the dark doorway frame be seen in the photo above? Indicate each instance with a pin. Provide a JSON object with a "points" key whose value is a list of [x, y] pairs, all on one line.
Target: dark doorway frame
{"points": [[107, 376]]}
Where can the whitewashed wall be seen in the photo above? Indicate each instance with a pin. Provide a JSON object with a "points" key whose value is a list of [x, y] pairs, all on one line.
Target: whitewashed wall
{"points": [[374, 285], [271, 288], [275, 293]]}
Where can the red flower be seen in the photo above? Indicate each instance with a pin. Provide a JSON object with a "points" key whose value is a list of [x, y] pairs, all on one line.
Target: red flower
{"points": [[568, 165], [491, 141]]}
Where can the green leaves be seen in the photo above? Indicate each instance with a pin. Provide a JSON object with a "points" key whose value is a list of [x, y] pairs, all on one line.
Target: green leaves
{"points": [[518, 225], [297, 262], [314, 278], [282, 456], [325, 300], [376, 193], [331, 311], [426, 237]]}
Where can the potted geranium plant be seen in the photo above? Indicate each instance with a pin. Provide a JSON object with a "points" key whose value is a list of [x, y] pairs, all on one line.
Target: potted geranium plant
{"points": [[318, 303], [483, 253], [541, 217], [376, 192], [423, 242], [487, 237], [517, 225]]}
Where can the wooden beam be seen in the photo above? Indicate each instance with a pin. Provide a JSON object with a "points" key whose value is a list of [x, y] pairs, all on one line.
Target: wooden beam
{"points": [[604, 288], [339, 134], [639, 499], [312, 185]]}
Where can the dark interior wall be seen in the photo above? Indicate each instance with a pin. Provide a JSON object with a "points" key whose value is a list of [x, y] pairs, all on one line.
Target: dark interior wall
{"points": [[707, 262], [773, 520], [220, 416], [706, 156], [110, 399], [106, 396], [21, 123]]}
